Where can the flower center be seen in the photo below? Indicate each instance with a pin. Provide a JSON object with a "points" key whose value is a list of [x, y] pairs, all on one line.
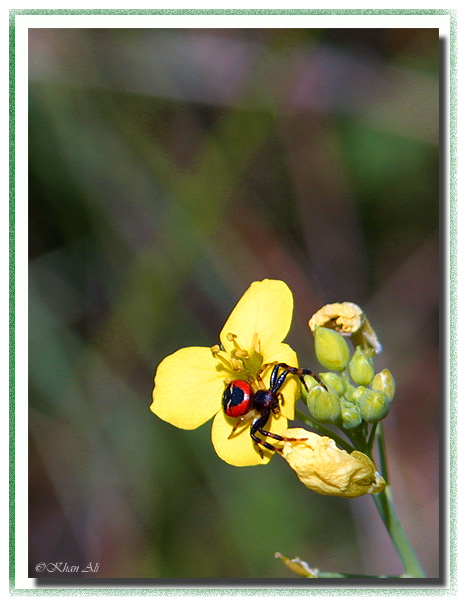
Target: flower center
{"points": [[240, 361]]}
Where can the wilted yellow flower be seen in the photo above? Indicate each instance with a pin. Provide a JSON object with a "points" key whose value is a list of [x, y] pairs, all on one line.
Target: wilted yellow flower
{"points": [[297, 565], [347, 318], [321, 466]]}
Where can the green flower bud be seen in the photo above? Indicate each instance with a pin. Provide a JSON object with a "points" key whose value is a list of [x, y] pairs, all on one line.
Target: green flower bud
{"points": [[384, 382], [357, 394], [350, 414], [361, 367], [349, 391], [373, 405], [310, 382], [324, 405], [331, 349], [334, 381]]}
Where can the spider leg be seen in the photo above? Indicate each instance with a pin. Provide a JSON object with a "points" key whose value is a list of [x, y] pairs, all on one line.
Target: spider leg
{"points": [[314, 375], [243, 418], [265, 366], [257, 426], [260, 381], [255, 382], [277, 382], [274, 373], [277, 408]]}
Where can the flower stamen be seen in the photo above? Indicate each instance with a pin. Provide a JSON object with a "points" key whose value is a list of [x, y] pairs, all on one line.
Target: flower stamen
{"points": [[239, 352], [222, 356], [237, 365], [230, 363], [256, 343]]}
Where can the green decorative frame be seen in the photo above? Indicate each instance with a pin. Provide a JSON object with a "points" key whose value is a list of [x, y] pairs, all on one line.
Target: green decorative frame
{"points": [[451, 306]]}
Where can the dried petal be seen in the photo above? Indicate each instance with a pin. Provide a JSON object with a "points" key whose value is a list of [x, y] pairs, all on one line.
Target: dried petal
{"points": [[321, 466], [348, 319]]}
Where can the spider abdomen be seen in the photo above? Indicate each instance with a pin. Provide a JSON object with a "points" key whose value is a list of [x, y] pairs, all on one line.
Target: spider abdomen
{"points": [[237, 398]]}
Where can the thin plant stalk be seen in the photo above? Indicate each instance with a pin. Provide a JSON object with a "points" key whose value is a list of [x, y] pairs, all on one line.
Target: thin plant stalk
{"points": [[386, 508], [383, 500]]}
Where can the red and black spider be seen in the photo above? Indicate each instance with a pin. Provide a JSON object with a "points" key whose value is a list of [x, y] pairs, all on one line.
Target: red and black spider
{"points": [[241, 400]]}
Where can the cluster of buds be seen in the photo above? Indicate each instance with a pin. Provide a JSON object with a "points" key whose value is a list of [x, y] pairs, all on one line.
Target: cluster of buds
{"points": [[355, 393], [349, 395]]}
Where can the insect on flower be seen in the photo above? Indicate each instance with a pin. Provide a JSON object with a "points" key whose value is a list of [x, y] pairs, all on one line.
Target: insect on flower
{"points": [[251, 344], [252, 400]]}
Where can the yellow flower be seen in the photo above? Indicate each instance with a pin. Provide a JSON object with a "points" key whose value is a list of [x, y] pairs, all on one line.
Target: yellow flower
{"points": [[189, 384], [324, 468]]}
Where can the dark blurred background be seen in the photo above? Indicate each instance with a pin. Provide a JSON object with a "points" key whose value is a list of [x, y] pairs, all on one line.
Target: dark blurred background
{"points": [[168, 170]]}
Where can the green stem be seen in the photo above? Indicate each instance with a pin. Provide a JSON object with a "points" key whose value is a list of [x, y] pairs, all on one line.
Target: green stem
{"points": [[386, 508], [370, 440], [332, 574], [381, 449], [384, 503]]}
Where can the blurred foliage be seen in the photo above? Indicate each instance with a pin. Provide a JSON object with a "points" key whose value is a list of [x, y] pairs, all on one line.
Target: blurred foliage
{"points": [[168, 170]]}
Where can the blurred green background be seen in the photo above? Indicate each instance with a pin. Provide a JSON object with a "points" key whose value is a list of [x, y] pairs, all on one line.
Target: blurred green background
{"points": [[168, 170]]}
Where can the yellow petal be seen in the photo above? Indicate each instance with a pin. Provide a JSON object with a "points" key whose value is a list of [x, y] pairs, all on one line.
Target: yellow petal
{"points": [[321, 466], [298, 566], [188, 387], [266, 308], [282, 353], [240, 450]]}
